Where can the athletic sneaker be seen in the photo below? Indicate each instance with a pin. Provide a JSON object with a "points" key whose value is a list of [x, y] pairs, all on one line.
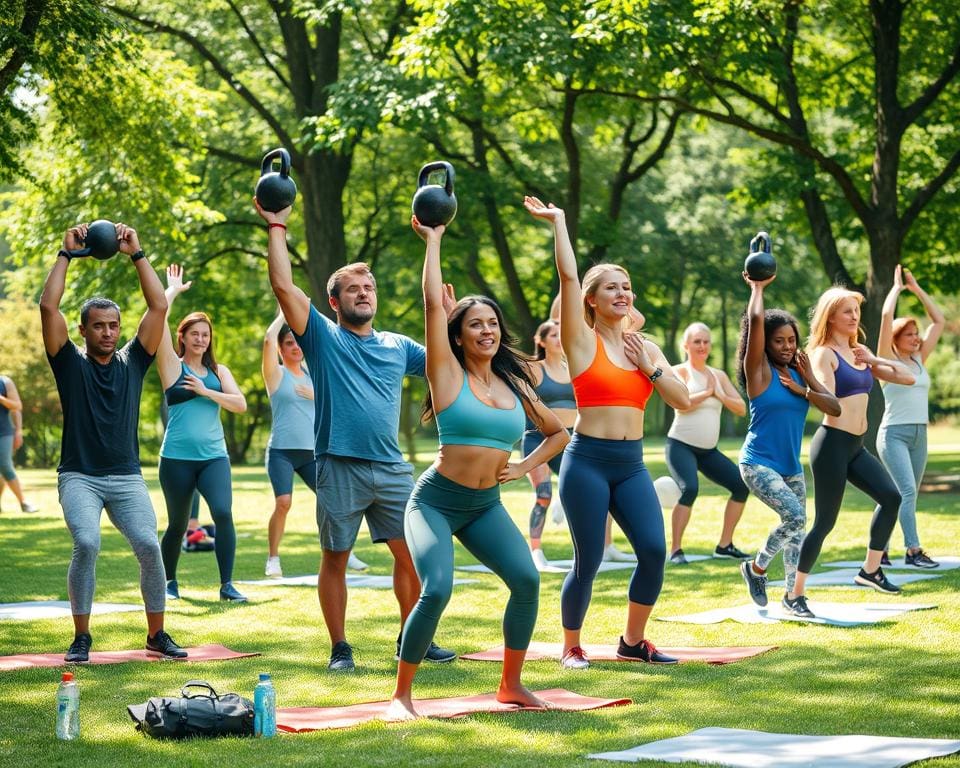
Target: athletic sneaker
{"points": [[885, 559], [162, 644], [79, 650], [26, 506], [920, 559], [730, 551], [678, 558], [435, 654], [756, 582], [575, 658], [540, 561], [341, 658], [613, 555], [354, 563], [173, 590], [876, 580], [796, 607], [273, 569], [556, 511], [643, 651], [229, 593]]}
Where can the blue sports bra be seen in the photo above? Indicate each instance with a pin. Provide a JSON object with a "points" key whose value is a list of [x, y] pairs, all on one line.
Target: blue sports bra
{"points": [[554, 393], [849, 380], [469, 421]]}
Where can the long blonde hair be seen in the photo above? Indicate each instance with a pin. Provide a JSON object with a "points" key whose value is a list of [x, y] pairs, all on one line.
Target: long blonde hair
{"points": [[591, 282], [826, 306]]}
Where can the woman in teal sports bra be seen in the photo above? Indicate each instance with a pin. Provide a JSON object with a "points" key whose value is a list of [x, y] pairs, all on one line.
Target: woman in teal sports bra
{"points": [[481, 394]]}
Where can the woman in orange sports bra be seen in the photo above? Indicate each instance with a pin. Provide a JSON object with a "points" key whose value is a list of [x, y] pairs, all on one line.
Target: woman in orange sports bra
{"points": [[614, 373]]}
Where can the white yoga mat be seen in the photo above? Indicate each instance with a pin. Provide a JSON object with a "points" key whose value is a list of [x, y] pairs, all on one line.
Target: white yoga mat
{"points": [[755, 749], [559, 566], [843, 577], [948, 563], [55, 609], [353, 580], [834, 614]]}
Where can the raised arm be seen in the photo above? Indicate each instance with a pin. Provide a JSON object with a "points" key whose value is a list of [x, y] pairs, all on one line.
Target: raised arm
{"points": [[294, 303], [168, 363], [150, 330], [52, 321], [755, 369], [885, 338], [270, 364], [575, 335], [937, 320]]}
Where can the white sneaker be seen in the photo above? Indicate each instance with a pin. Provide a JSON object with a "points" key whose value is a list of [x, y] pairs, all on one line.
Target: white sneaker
{"points": [[540, 560], [556, 511], [612, 554], [273, 569], [28, 507], [354, 563]]}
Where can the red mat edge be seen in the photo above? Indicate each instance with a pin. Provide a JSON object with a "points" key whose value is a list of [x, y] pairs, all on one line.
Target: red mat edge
{"points": [[48, 660], [759, 650]]}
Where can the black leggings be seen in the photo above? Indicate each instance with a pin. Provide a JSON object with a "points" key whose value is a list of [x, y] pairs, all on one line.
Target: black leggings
{"points": [[684, 460], [179, 478], [837, 456]]}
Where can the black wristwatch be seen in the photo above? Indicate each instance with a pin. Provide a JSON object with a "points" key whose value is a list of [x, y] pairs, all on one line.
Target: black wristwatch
{"points": [[135, 257], [657, 373], [65, 253]]}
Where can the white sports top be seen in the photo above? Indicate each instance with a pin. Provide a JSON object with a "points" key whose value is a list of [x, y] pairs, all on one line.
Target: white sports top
{"points": [[907, 403], [699, 427]]}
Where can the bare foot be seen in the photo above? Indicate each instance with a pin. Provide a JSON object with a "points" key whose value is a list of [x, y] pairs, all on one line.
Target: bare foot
{"points": [[522, 696], [400, 710]]}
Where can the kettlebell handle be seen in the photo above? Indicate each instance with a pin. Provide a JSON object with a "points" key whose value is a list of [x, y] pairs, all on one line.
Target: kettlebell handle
{"points": [[267, 165], [761, 243], [439, 165]]}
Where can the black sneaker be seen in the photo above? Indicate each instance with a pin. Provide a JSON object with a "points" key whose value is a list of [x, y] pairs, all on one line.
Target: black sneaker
{"points": [[730, 551], [885, 559], [643, 651], [162, 644], [797, 607], [434, 654], [678, 558], [229, 593], [920, 559], [876, 580], [79, 651], [756, 582], [341, 658]]}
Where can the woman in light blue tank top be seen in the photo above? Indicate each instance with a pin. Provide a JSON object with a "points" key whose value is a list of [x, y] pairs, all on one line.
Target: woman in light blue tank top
{"points": [[780, 385], [902, 437], [193, 455], [480, 392]]}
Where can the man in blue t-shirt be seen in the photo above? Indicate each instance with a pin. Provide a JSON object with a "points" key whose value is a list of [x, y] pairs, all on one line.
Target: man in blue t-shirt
{"points": [[100, 389], [357, 377]]}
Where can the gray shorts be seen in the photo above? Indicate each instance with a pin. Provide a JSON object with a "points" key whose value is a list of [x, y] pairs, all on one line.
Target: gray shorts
{"points": [[350, 489]]}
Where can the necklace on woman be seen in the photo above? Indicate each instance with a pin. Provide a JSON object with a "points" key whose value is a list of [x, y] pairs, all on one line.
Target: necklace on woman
{"points": [[487, 384]]}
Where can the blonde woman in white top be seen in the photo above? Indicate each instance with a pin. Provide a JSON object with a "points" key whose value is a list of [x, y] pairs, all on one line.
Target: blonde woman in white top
{"points": [[692, 444], [902, 437]]}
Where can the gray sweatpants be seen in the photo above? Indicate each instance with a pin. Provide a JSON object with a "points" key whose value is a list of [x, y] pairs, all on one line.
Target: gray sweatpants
{"points": [[125, 498]]}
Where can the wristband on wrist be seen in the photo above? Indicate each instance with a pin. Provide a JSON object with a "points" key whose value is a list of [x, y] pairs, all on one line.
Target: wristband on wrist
{"points": [[277, 224], [657, 373], [65, 253], [135, 257], [806, 395]]}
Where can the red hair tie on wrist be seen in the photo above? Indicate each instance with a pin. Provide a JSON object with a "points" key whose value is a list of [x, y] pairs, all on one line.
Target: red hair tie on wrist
{"points": [[273, 224]]}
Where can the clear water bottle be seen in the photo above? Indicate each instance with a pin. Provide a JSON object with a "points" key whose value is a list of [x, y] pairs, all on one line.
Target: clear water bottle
{"points": [[265, 708], [68, 708]]}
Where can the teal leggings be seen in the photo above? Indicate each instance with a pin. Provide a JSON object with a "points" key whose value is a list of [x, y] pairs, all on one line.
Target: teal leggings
{"points": [[440, 509]]}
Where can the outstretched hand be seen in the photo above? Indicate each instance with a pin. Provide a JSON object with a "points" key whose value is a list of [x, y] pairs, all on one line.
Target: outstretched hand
{"points": [[280, 217], [758, 283], [910, 281], [427, 233], [74, 237], [129, 243], [545, 212], [175, 280]]}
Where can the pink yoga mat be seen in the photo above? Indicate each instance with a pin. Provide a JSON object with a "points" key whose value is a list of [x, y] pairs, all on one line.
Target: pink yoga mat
{"points": [[200, 653], [538, 651], [302, 719]]}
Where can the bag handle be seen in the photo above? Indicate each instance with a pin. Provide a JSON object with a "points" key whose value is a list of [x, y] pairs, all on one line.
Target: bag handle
{"points": [[198, 684]]}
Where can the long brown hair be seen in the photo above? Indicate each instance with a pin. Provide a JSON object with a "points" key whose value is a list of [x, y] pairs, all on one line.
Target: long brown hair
{"points": [[209, 359]]}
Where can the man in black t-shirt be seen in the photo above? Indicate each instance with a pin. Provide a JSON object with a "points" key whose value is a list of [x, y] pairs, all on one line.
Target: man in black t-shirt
{"points": [[100, 388]]}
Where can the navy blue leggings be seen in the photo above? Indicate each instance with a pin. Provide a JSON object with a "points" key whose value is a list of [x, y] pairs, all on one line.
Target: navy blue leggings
{"points": [[684, 460], [179, 478], [599, 475]]}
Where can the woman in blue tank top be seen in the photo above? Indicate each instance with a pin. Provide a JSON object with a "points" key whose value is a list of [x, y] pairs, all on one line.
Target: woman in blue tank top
{"points": [[193, 455], [11, 438], [780, 385], [480, 393]]}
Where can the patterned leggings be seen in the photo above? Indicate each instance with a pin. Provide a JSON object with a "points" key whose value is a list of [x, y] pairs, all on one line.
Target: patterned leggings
{"points": [[787, 496]]}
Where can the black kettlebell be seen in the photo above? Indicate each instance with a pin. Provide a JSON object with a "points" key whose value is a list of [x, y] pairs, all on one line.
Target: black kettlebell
{"points": [[760, 264], [434, 204], [101, 241], [275, 191]]}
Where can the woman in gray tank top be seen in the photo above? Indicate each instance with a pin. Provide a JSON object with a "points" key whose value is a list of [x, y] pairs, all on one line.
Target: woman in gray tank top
{"points": [[902, 437]]}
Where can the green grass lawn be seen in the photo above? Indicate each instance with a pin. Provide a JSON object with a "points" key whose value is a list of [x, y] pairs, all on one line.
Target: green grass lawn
{"points": [[901, 677]]}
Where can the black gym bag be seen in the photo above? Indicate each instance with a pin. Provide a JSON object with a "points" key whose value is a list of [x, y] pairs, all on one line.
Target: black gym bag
{"points": [[199, 714]]}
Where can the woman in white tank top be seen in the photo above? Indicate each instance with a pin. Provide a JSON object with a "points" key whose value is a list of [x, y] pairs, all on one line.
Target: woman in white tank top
{"points": [[902, 437], [692, 444]]}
